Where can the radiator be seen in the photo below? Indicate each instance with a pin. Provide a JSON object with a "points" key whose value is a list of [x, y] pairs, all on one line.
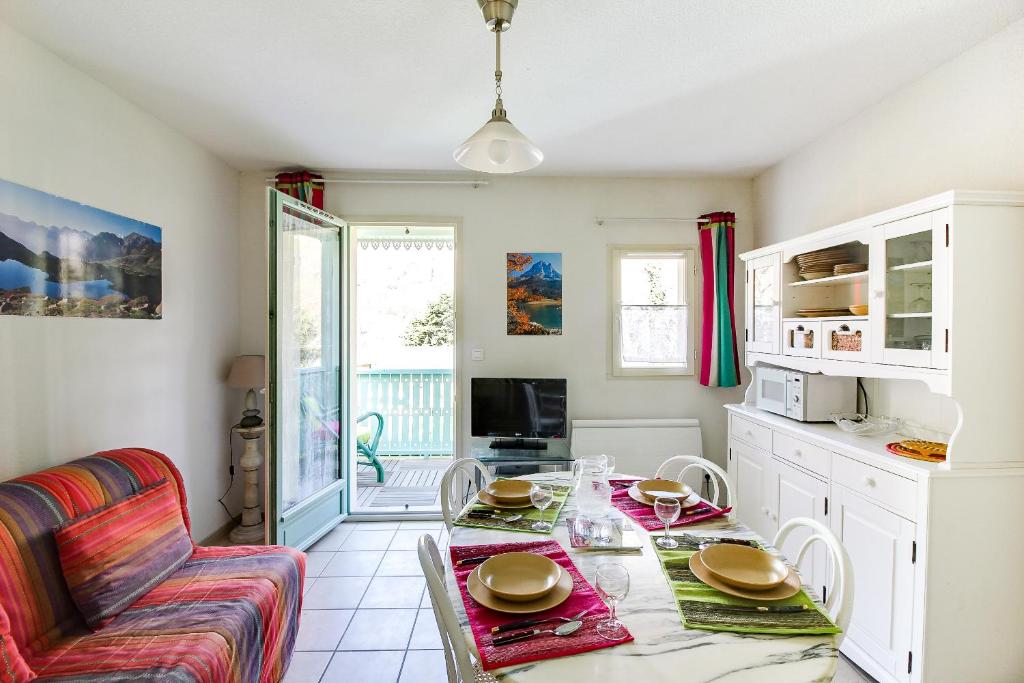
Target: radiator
{"points": [[639, 446]]}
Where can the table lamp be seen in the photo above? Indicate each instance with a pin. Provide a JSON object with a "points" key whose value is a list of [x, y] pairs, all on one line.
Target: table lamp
{"points": [[248, 372]]}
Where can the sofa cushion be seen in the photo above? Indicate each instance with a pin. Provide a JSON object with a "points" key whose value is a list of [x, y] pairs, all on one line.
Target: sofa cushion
{"points": [[13, 668], [114, 555], [228, 615]]}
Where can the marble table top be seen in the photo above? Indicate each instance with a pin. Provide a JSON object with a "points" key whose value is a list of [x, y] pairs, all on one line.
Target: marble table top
{"points": [[663, 649]]}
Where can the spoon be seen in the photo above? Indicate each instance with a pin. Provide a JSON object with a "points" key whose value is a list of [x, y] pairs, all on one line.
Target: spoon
{"points": [[563, 630]]}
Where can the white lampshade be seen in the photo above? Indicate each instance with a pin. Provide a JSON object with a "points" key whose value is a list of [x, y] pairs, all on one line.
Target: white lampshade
{"points": [[498, 147]]}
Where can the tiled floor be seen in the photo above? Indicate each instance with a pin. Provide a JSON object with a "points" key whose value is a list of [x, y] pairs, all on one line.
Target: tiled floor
{"points": [[366, 617]]}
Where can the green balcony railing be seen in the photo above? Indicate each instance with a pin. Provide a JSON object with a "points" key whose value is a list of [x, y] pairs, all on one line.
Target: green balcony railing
{"points": [[418, 409]]}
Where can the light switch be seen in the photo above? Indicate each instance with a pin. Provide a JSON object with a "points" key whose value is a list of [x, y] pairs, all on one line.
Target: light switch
{"points": [[478, 354]]}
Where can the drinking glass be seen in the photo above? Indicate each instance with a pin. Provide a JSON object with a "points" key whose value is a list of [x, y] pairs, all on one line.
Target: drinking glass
{"points": [[612, 585], [542, 495], [667, 510]]}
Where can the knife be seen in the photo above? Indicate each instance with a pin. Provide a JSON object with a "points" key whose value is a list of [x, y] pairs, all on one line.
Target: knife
{"points": [[473, 560], [527, 623], [698, 540], [763, 608]]}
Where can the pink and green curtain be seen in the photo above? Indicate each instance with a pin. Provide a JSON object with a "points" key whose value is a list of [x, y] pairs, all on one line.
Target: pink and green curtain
{"points": [[720, 361], [303, 185]]}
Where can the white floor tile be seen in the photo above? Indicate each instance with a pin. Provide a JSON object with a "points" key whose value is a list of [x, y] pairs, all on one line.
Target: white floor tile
{"points": [[321, 629], [306, 667], [368, 539], [425, 635], [354, 563], [408, 539], [316, 561], [400, 563], [425, 602], [376, 525], [393, 592], [379, 629], [307, 584], [333, 539], [336, 592], [364, 667], [424, 666], [422, 525]]}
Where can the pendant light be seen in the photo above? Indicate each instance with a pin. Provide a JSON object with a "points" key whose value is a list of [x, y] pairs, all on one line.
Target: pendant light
{"points": [[498, 147]]}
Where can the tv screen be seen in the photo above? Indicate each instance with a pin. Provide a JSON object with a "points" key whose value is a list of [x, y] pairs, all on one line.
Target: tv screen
{"points": [[518, 408]]}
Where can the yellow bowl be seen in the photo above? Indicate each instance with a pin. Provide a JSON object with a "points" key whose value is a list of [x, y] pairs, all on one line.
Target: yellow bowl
{"points": [[519, 577], [510, 490], [743, 566], [859, 309], [652, 489]]}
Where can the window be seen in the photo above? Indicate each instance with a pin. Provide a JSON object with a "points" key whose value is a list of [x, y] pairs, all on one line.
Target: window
{"points": [[652, 313]]}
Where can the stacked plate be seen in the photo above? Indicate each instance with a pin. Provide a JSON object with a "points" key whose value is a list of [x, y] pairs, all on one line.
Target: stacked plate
{"points": [[519, 583], [818, 264], [745, 572], [847, 268], [511, 494], [919, 449], [649, 490], [822, 312]]}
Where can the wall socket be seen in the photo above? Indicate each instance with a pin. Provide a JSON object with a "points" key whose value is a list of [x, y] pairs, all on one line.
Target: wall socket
{"points": [[478, 354]]}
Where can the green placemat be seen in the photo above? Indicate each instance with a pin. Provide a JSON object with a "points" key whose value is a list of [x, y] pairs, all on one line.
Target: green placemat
{"points": [[703, 607], [530, 515]]}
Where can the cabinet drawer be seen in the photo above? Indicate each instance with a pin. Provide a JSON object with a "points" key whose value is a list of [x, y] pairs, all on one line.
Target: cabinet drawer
{"points": [[898, 493], [846, 340], [752, 432], [801, 339], [806, 455]]}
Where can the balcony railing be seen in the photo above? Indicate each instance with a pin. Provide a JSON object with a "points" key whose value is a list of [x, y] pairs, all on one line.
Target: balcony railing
{"points": [[417, 406]]}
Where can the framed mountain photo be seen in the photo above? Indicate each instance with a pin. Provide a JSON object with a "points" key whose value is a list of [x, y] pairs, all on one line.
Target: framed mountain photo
{"points": [[62, 258], [534, 293]]}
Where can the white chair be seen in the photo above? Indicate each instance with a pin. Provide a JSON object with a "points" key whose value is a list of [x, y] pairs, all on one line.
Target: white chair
{"points": [[839, 601], [459, 484], [456, 655], [691, 462]]}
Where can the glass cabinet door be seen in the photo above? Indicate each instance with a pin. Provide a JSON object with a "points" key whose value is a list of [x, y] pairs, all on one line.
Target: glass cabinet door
{"points": [[764, 312], [910, 263]]}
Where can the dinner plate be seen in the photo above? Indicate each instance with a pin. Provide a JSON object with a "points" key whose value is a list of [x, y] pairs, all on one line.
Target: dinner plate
{"points": [[479, 592], [743, 566], [786, 589], [510, 490], [691, 501], [493, 502], [652, 489], [519, 577]]}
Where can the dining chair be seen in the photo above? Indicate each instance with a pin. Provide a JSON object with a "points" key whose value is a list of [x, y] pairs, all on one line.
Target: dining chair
{"points": [[689, 462], [839, 599], [458, 661], [458, 485]]}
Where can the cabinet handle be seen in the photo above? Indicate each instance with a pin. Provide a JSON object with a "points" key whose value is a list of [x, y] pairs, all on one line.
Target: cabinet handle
{"points": [[797, 453], [878, 293], [869, 481]]}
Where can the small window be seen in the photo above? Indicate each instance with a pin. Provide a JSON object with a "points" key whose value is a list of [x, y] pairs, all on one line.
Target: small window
{"points": [[652, 313]]}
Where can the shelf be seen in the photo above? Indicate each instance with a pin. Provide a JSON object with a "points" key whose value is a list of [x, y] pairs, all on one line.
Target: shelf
{"points": [[920, 265], [826, 317], [832, 279], [909, 315]]}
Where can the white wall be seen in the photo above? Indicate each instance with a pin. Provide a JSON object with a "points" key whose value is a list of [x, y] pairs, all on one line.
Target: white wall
{"points": [[70, 387], [960, 126], [537, 214]]}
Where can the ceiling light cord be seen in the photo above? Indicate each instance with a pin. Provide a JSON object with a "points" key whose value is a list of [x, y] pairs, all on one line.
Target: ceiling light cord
{"points": [[499, 106]]}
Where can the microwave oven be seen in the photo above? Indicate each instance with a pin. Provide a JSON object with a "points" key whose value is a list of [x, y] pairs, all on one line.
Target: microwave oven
{"points": [[805, 396]]}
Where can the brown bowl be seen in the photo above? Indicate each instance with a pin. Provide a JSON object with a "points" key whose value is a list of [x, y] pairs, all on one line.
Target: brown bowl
{"points": [[743, 566], [520, 577], [652, 489]]}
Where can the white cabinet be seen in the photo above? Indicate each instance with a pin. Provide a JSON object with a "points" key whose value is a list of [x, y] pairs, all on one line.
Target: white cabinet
{"points": [[881, 549], [801, 495], [764, 304], [910, 291], [752, 487]]}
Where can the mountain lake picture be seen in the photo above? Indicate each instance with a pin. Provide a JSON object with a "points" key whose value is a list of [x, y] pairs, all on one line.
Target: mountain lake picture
{"points": [[62, 258], [534, 292]]}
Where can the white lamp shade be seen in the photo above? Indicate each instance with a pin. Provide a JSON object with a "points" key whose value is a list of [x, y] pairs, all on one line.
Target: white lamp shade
{"points": [[247, 372], [498, 147]]}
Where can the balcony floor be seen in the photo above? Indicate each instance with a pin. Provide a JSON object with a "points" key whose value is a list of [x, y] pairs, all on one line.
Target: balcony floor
{"points": [[412, 483]]}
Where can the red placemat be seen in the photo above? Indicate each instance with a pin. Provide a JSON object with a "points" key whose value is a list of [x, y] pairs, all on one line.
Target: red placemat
{"points": [[644, 514], [547, 646]]}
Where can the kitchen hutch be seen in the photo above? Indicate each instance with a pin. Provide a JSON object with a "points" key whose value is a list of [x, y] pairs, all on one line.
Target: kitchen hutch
{"points": [[936, 548]]}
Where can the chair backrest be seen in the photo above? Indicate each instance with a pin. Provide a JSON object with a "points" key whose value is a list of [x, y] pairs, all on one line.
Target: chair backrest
{"points": [[686, 463], [839, 601], [456, 654], [458, 486]]}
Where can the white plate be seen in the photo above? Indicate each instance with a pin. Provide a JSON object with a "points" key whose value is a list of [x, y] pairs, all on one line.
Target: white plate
{"points": [[692, 500]]}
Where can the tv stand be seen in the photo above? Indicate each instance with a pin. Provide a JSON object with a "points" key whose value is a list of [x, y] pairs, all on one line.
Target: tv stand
{"points": [[519, 444]]}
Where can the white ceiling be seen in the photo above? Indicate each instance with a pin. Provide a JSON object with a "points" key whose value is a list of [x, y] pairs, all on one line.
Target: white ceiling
{"points": [[624, 87]]}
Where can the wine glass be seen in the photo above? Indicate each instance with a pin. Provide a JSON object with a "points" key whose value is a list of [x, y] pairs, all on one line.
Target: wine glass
{"points": [[612, 585], [667, 510], [542, 495]]}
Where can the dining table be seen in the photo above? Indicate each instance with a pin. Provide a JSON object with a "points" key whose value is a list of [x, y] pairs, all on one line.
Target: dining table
{"points": [[662, 649]]}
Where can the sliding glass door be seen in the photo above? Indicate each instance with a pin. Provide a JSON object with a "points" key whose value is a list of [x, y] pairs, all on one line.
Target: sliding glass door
{"points": [[309, 390]]}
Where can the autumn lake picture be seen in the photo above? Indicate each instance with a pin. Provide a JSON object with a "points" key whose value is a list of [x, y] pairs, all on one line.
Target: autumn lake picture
{"points": [[62, 258], [534, 293]]}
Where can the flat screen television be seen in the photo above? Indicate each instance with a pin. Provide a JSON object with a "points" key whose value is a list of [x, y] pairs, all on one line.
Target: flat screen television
{"points": [[515, 408]]}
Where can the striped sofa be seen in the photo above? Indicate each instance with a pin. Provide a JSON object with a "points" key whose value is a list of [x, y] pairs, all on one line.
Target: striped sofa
{"points": [[229, 614]]}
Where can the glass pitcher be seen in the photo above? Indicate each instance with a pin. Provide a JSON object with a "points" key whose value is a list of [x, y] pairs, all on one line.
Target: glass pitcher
{"points": [[590, 481]]}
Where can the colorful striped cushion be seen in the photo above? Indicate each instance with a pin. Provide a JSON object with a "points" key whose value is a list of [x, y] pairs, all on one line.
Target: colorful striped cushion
{"points": [[13, 668], [113, 556]]}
